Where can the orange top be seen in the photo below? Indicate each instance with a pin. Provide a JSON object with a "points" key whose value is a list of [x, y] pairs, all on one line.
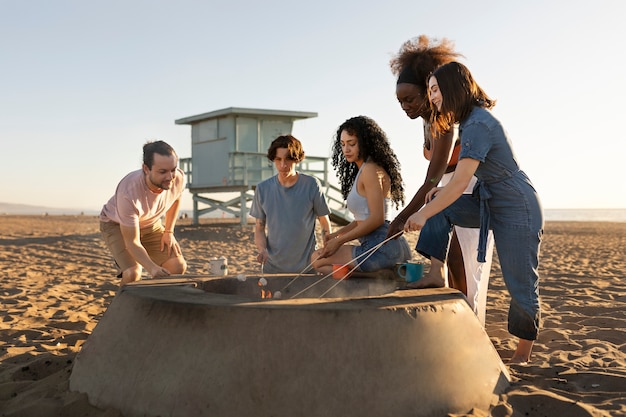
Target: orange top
{"points": [[454, 159]]}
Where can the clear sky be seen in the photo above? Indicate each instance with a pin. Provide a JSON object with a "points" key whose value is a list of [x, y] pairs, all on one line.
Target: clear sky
{"points": [[84, 84]]}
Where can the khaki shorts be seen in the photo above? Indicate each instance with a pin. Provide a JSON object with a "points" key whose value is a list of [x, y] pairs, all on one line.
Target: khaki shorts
{"points": [[150, 239]]}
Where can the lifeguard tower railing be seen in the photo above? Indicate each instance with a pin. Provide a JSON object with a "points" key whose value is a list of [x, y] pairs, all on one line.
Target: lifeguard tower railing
{"points": [[245, 168]]}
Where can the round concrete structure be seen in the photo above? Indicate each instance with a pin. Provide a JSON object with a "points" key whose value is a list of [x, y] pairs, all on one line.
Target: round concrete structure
{"points": [[212, 347]]}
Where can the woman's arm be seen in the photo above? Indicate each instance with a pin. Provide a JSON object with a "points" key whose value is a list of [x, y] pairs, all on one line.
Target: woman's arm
{"points": [[441, 151], [445, 196]]}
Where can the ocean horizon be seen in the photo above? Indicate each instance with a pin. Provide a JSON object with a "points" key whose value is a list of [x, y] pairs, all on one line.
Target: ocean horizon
{"points": [[586, 215]]}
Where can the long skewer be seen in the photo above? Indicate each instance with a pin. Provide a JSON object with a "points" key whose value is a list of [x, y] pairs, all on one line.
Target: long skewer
{"points": [[368, 252], [300, 274]]}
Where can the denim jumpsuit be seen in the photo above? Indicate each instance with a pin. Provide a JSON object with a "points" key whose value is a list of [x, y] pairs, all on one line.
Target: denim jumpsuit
{"points": [[505, 201]]}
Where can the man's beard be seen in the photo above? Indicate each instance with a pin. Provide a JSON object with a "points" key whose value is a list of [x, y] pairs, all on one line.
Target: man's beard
{"points": [[161, 186]]}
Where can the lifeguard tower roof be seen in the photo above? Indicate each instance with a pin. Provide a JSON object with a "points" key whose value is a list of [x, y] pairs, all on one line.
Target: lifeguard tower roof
{"points": [[244, 112]]}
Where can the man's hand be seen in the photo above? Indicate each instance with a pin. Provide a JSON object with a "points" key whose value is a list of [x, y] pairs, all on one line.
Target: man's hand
{"points": [[159, 272], [262, 256], [169, 241]]}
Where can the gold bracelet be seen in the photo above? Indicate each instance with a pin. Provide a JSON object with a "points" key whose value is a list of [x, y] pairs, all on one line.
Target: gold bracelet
{"points": [[168, 231]]}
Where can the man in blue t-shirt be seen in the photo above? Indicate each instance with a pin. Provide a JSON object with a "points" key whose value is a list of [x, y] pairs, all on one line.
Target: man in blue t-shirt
{"points": [[285, 207]]}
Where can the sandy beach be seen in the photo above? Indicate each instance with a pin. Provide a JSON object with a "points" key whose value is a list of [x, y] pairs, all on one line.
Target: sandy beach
{"points": [[57, 279]]}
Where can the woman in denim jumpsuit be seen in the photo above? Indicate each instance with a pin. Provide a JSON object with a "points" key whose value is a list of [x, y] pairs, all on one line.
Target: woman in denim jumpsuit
{"points": [[504, 199]]}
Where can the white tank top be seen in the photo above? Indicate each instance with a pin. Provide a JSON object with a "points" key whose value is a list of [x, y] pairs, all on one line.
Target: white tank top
{"points": [[357, 204]]}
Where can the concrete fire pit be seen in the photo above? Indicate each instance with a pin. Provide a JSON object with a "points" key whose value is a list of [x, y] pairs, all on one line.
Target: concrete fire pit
{"points": [[213, 347]]}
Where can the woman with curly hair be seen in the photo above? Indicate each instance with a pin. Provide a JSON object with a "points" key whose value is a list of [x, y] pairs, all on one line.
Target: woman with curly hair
{"points": [[506, 200], [416, 59], [369, 174]]}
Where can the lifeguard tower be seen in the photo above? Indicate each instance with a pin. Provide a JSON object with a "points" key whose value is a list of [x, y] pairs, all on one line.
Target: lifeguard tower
{"points": [[228, 155]]}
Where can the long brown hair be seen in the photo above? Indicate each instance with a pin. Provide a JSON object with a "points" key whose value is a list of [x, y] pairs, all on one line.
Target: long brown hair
{"points": [[460, 94]]}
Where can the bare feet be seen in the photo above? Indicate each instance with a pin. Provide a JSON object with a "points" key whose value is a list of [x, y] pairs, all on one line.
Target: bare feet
{"points": [[436, 277], [522, 353], [427, 282]]}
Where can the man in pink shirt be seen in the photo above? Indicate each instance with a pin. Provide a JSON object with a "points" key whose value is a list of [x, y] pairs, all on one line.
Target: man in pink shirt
{"points": [[131, 223]]}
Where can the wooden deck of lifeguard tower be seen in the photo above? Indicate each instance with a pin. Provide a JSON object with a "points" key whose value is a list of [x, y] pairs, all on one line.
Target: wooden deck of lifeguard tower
{"points": [[228, 158]]}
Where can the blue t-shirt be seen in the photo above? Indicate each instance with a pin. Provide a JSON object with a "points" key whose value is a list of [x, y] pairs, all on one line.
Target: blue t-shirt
{"points": [[289, 213]]}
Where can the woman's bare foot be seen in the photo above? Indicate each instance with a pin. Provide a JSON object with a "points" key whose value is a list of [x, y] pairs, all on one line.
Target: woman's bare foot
{"points": [[436, 277], [522, 353], [427, 281]]}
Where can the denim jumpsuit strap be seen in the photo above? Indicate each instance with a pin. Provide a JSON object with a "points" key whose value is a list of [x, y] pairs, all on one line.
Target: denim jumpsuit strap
{"points": [[485, 219], [484, 194]]}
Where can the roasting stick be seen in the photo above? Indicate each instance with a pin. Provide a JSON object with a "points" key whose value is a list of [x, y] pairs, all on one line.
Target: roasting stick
{"points": [[368, 252], [300, 274], [326, 276]]}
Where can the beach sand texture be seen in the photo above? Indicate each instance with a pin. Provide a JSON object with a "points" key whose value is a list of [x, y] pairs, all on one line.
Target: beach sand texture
{"points": [[57, 279]]}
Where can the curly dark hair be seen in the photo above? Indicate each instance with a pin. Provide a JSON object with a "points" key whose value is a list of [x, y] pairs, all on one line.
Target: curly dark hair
{"points": [[422, 55], [373, 144]]}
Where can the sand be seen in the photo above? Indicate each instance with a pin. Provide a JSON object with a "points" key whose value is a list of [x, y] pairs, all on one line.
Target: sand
{"points": [[57, 279]]}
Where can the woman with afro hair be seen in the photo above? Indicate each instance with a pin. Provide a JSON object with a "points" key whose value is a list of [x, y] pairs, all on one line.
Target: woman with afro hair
{"points": [[414, 62], [369, 174]]}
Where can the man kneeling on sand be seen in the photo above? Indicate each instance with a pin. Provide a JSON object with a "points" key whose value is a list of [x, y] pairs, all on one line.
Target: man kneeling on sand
{"points": [[130, 221]]}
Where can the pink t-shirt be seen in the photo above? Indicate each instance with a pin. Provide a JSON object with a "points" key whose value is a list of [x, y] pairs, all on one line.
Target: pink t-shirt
{"points": [[134, 204]]}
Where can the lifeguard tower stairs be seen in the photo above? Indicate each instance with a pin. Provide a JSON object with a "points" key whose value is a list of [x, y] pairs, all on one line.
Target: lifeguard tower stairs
{"points": [[228, 158]]}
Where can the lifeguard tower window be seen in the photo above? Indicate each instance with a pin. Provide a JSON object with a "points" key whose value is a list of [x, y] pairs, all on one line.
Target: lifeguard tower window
{"points": [[228, 155]]}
